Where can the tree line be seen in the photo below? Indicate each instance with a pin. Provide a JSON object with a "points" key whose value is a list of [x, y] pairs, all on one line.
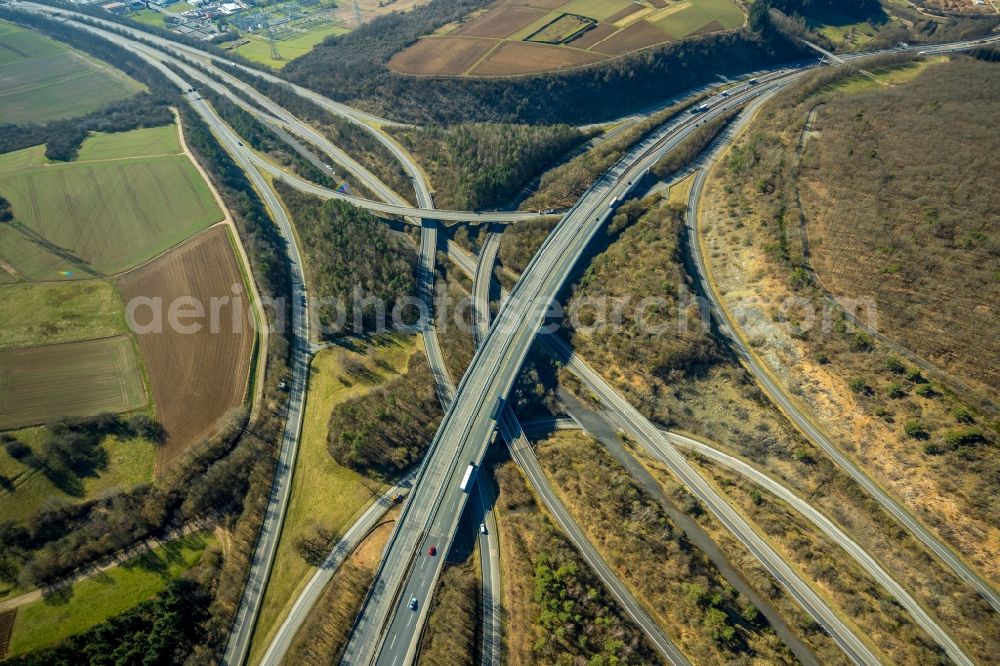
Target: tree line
{"points": [[347, 248], [484, 165], [161, 631], [62, 138]]}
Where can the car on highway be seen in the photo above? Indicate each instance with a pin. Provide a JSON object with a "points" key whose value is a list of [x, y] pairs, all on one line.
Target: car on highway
{"points": [[432, 551], [482, 528], [413, 603]]}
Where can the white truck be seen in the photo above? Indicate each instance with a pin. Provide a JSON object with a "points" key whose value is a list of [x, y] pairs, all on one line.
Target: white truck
{"points": [[469, 478]]}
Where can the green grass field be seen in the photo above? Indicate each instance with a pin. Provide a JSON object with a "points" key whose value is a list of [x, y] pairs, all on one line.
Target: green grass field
{"points": [[148, 17], [322, 491], [95, 218], [44, 80], [260, 51], [145, 142], [50, 312], [94, 600], [130, 463], [595, 9], [41, 384], [178, 7], [724, 14]]}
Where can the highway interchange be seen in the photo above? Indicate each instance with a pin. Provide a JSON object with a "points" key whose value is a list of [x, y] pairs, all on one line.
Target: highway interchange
{"points": [[387, 631]]}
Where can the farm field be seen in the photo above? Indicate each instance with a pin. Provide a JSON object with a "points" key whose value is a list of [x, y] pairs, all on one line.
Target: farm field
{"points": [[95, 218], [47, 621], [51, 312], [44, 80], [144, 142], [197, 374], [317, 477], [516, 37], [40, 384], [259, 50]]}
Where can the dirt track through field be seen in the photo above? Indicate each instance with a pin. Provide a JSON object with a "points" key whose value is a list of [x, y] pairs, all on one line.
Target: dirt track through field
{"points": [[197, 365]]}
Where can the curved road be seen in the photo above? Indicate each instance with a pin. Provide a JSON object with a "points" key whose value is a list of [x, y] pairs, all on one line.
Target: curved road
{"points": [[431, 515], [804, 423], [835, 535]]}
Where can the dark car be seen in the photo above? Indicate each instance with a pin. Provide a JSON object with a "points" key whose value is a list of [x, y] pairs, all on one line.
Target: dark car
{"points": [[432, 551]]}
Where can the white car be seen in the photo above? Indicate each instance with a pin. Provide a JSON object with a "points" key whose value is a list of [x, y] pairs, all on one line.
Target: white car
{"points": [[413, 603], [482, 528]]}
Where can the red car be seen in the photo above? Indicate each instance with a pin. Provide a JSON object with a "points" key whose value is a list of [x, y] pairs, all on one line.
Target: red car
{"points": [[433, 550]]}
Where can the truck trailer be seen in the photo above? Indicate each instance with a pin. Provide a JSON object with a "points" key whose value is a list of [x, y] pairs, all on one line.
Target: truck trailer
{"points": [[469, 478]]}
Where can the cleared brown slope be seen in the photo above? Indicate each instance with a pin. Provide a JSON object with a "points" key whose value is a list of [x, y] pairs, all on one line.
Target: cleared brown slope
{"points": [[899, 194]]}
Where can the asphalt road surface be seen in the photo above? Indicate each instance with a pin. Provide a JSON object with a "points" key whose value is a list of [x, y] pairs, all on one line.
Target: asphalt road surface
{"points": [[407, 571], [282, 641]]}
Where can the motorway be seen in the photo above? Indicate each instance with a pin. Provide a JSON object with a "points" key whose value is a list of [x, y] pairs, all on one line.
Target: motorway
{"points": [[435, 447], [260, 566], [655, 443], [395, 211], [431, 515], [481, 272], [575, 364], [393, 206], [482, 279], [307, 598], [834, 534], [803, 422], [519, 319]]}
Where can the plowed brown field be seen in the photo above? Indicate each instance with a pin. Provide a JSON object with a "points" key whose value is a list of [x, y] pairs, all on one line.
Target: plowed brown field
{"points": [[523, 58], [638, 35], [501, 21], [196, 375], [441, 55]]}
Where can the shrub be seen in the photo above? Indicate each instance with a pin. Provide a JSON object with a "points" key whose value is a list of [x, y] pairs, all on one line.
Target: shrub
{"points": [[894, 365], [716, 624], [962, 414], [895, 390], [860, 342], [860, 386], [17, 449], [916, 430], [964, 437], [925, 391]]}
